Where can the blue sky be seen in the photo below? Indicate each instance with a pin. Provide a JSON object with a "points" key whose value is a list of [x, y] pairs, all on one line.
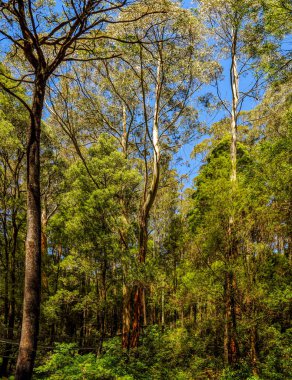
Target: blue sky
{"points": [[187, 166]]}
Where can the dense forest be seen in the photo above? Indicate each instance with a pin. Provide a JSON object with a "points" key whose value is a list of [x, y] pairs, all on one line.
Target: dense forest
{"points": [[121, 257]]}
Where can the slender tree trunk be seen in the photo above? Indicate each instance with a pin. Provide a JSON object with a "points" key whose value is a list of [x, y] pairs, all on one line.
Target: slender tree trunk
{"points": [[138, 309], [253, 351], [57, 260], [126, 291], [44, 247], [195, 312], [182, 316], [234, 79], [126, 317], [162, 310], [138, 297], [44, 222], [32, 281], [231, 348], [149, 197], [251, 309], [124, 141], [143, 240], [144, 309]]}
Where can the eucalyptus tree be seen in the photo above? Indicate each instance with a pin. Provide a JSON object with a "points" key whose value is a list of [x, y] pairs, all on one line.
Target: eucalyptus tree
{"points": [[248, 40], [143, 98], [232, 26], [39, 37], [249, 37], [170, 67], [262, 230]]}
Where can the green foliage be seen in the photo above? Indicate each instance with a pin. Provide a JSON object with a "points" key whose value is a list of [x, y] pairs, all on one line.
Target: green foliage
{"points": [[173, 354], [66, 363], [169, 355]]}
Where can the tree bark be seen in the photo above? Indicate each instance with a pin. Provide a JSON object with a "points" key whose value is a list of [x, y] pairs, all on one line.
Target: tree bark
{"points": [[162, 310], [234, 79], [254, 351], [231, 348], [149, 197], [138, 298], [144, 308], [126, 317], [32, 280], [125, 134]]}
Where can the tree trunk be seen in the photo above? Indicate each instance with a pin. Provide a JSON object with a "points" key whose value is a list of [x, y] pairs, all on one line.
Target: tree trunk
{"points": [[234, 80], [126, 317], [32, 280], [125, 135], [149, 197], [231, 348], [44, 247], [144, 309], [162, 310], [138, 310], [253, 351], [138, 298]]}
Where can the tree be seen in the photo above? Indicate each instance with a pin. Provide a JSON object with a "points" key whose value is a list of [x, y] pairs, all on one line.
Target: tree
{"points": [[42, 37], [163, 73], [229, 23], [258, 246]]}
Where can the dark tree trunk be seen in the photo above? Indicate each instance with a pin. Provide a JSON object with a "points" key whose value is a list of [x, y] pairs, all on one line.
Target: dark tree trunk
{"points": [[126, 317], [138, 312], [231, 348], [138, 297], [144, 309], [254, 351], [32, 281]]}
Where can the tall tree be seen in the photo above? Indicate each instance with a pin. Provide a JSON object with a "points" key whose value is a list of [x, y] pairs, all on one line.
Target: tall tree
{"points": [[229, 24], [163, 72], [42, 37], [143, 100]]}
